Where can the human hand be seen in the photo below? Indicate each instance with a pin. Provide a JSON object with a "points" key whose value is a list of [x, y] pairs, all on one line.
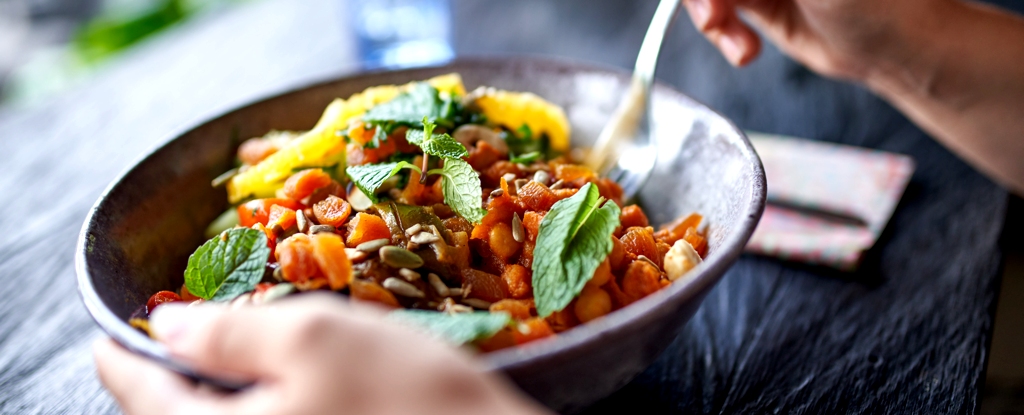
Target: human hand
{"points": [[837, 38], [309, 355]]}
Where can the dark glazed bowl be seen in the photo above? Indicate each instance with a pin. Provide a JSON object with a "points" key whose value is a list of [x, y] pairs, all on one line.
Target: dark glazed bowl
{"points": [[138, 236]]}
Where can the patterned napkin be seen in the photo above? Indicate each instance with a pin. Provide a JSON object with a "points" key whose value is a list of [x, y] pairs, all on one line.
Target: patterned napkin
{"points": [[827, 203]]}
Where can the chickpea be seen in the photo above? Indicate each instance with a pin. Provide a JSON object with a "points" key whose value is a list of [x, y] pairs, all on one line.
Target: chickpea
{"points": [[501, 241], [592, 303], [601, 275]]}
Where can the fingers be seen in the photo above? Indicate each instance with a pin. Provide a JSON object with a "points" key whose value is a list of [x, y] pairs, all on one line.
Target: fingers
{"points": [[247, 343], [720, 24], [143, 387]]}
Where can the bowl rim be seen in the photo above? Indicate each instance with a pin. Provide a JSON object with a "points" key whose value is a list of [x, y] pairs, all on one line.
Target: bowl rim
{"points": [[705, 275]]}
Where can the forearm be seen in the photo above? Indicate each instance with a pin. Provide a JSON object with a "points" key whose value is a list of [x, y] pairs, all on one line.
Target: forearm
{"points": [[960, 76]]}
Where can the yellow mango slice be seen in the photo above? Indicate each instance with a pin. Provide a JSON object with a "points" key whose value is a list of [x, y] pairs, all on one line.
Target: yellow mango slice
{"points": [[513, 109], [322, 145]]}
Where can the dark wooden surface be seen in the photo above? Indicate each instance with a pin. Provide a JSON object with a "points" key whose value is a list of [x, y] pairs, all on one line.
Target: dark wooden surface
{"points": [[908, 333]]}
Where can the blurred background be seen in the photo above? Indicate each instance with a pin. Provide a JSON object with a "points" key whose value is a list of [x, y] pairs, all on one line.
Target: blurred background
{"points": [[53, 51]]}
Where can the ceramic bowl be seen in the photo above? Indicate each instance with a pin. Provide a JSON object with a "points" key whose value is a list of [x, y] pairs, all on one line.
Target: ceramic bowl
{"points": [[137, 238]]}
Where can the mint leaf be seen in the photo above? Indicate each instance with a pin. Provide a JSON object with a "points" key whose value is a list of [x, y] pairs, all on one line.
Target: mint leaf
{"points": [[525, 158], [461, 189], [459, 328], [227, 265], [369, 177], [440, 145], [574, 238]]}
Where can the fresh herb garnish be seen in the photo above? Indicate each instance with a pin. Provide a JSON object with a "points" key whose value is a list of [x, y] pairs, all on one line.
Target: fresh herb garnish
{"points": [[574, 238], [227, 265], [461, 189], [458, 328], [524, 142], [525, 158], [369, 177], [410, 107], [440, 145]]}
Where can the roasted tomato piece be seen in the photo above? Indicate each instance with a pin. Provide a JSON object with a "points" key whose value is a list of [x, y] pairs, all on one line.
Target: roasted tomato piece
{"points": [[159, 298], [258, 211]]}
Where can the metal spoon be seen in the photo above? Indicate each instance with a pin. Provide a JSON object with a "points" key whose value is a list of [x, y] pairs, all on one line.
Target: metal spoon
{"points": [[624, 151]]}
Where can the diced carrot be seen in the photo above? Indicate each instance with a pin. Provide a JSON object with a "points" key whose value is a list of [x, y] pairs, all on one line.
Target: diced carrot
{"points": [[485, 286], [329, 251], [333, 189], [480, 231], [254, 150], [536, 196], [518, 309], [365, 227], [632, 216], [617, 258], [619, 298], [640, 241], [500, 210], [532, 329], [359, 154], [501, 241], [281, 216], [575, 174], [563, 320], [531, 223], [592, 303], [305, 182], [503, 184], [565, 193], [188, 296], [483, 155], [676, 230], [503, 339], [641, 279], [271, 238], [359, 134], [364, 290], [434, 194], [526, 257], [518, 280], [697, 241], [609, 189], [298, 262], [663, 249], [332, 211], [490, 176]]}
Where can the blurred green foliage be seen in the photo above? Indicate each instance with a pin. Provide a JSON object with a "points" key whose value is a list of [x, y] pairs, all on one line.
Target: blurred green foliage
{"points": [[105, 35]]}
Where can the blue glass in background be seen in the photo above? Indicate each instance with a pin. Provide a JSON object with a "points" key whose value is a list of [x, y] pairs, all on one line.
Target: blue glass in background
{"points": [[402, 33]]}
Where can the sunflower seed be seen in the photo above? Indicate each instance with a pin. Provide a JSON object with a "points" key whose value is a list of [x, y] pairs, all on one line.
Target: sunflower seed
{"points": [[277, 229], [395, 194], [400, 258], [466, 290], [435, 281], [414, 229], [278, 274], [277, 292], [541, 177], [370, 246], [497, 192], [424, 238], [518, 233], [558, 185], [315, 229], [409, 274], [402, 288], [477, 303], [645, 258], [355, 255], [509, 177], [301, 221], [224, 177], [455, 292], [520, 183]]}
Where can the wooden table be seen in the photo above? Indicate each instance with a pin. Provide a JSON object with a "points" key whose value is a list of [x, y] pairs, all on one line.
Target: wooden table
{"points": [[909, 332]]}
